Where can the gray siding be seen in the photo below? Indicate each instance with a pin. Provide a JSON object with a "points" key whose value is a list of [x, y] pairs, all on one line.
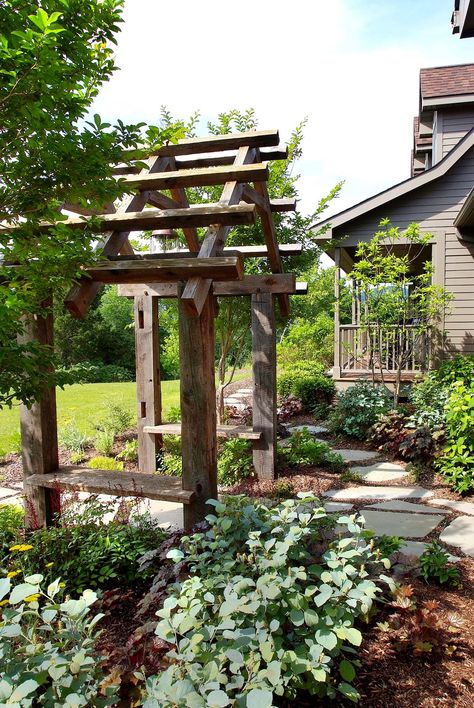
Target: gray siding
{"points": [[435, 207], [455, 125]]}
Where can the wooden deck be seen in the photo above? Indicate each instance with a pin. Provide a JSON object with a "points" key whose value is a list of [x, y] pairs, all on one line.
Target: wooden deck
{"points": [[119, 484]]}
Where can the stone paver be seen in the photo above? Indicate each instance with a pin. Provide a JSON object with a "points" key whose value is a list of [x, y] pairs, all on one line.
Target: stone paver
{"points": [[380, 472], [5, 492], [337, 506], [312, 429], [417, 548], [400, 524], [460, 533], [353, 493], [16, 500], [400, 505], [350, 455], [460, 506]]}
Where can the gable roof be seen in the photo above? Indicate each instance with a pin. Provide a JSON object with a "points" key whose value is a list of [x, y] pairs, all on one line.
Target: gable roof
{"points": [[400, 189], [447, 81]]}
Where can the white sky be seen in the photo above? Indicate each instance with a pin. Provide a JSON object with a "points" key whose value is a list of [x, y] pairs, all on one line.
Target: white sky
{"points": [[350, 66]]}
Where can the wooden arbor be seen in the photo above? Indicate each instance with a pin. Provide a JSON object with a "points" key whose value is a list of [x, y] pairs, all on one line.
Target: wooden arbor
{"points": [[195, 276]]}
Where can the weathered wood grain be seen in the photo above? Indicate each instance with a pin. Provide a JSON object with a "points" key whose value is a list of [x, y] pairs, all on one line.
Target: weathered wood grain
{"points": [[216, 143], [198, 177], [279, 282], [223, 431]]}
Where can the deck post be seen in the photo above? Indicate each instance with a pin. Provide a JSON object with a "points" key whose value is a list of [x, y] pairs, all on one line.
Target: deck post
{"points": [[147, 350], [264, 384], [337, 318], [39, 434], [198, 407]]}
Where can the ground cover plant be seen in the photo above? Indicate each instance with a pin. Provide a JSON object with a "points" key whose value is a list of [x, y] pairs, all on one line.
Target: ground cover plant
{"points": [[269, 607], [302, 449], [358, 408]]}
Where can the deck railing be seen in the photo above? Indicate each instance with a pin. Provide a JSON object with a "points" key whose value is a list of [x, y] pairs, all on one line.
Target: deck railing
{"points": [[363, 349]]}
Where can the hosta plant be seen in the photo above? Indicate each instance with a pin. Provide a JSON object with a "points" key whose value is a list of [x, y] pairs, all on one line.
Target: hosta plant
{"points": [[269, 607], [47, 655]]}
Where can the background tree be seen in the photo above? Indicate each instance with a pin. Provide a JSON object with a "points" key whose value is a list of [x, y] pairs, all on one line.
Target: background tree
{"points": [[402, 307]]}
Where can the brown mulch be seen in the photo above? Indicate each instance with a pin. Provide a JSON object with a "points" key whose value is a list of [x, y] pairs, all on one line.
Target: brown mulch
{"points": [[390, 678]]}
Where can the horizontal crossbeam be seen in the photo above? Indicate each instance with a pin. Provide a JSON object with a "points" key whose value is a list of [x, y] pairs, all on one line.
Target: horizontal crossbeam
{"points": [[198, 178], [118, 484], [250, 284], [216, 143], [286, 249], [223, 431], [166, 270]]}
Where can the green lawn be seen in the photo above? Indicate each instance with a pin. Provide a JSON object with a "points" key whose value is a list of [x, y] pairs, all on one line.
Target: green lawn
{"points": [[83, 405]]}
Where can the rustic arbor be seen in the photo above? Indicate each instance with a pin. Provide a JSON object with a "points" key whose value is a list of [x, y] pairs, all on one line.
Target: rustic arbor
{"points": [[196, 277]]}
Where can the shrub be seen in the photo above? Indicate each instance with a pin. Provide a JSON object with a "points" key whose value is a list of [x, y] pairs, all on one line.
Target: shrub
{"points": [[129, 452], [47, 648], [457, 460], [105, 463], [104, 442], [234, 461], [268, 609], [289, 407], [358, 408], [303, 449], [95, 373], [388, 431], [173, 414], [73, 439], [459, 368], [308, 382], [117, 417], [11, 521], [88, 553], [283, 489], [435, 566], [172, 465], [429, 398]]}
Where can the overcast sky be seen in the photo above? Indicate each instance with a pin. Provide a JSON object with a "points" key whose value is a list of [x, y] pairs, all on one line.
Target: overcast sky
{"points": [[350, 66]]}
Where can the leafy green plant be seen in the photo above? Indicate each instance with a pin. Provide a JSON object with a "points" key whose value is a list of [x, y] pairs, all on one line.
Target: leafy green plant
{"points": [[104, 442], [171, 465], [117, 418], [429, 397], [47, 647], [105, 463], [11, 521], [283, 489], [234, 461], [73, 439], [84, 373], [303, 449], [173, 414], [388, 431], [76, 457], [129, 452], [269, 607], [456, 462], [308, 382], [435, 566], [358, 408], [388, 545], [87, 552]]}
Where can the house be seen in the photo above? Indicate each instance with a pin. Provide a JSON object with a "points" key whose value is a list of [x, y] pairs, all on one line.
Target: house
{"points": [[463, 18], [439, 196]]}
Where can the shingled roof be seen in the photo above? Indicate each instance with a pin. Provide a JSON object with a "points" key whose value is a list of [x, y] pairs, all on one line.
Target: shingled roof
{"points": [[447, 81]]}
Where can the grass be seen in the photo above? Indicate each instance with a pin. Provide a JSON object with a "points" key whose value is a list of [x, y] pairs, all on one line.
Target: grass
{"points": [[83, 405]]}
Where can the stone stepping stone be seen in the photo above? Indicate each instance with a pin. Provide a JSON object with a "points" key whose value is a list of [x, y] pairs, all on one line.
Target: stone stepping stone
{"points": [[401, 524], [460, 533], [462, 507], [400, 505], [16, 500], [350, 455], [312, 429], [380, 472], [417, 548], [376, 493], [337, 506], [5, 492]]}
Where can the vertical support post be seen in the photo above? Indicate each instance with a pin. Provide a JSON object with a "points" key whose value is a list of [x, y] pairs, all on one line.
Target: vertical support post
{"points": [[147, 355], [337, 316], [198, 408], [436, 344], [39, 434], [264, 384]]}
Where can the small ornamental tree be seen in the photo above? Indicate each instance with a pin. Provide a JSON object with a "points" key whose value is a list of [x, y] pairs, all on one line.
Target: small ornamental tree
{"points": [[401, 306]]}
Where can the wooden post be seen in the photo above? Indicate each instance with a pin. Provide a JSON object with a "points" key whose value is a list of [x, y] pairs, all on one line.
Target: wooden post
{"points": [[264, 384], [198, 408], [39, 435], [337, 317], [147, 349]]}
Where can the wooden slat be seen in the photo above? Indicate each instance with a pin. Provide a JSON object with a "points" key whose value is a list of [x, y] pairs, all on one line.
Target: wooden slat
{"points": [[286, 249], [198, 177], [280, 282], [120, 484], [216, 143], [223, 431], [165, 270], [284, 204], [195, 215]]}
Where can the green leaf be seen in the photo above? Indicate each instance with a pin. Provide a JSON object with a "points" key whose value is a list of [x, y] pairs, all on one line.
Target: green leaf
{"points": [[5, 585], [218, 698], [353, 636], [259, 699], [326, 639], [23, 690], [348, 691], [21, 591], [347, 670]]}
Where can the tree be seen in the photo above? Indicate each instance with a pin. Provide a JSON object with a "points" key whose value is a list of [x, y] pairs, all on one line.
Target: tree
{"points": [[402, 307]]}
